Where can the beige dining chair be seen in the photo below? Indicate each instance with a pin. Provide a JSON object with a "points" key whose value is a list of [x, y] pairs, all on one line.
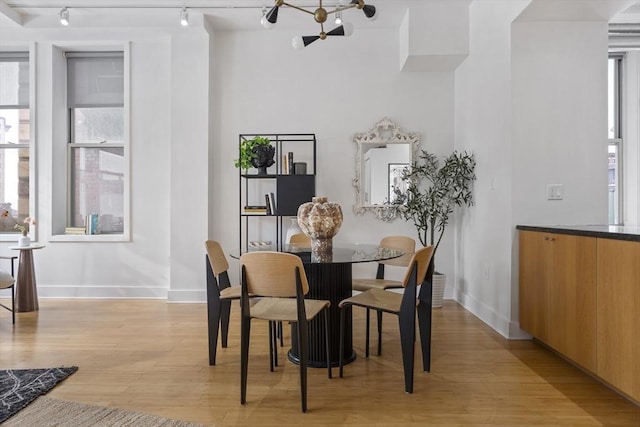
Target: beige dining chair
{"points": [[408, 246], [280, 281], [7, 281], [220, 293], [402, 305]]}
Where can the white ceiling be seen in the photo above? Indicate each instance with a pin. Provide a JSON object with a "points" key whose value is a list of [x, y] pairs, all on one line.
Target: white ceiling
{"points": [[237, 14], [223, 14]]}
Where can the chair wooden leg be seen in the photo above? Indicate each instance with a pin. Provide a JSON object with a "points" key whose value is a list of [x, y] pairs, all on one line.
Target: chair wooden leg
{"points": [[225, 313], [303, 346], [326, 337], [407, 342], [366, 341], [245, 329], [281, 334], [341, 355], [379, 313]]}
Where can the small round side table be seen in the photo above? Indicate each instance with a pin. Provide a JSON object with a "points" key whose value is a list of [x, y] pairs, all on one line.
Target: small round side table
{"points": [[26, 290]]}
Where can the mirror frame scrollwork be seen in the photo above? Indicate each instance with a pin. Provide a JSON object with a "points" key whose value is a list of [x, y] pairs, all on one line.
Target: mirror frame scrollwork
{"points": [[384, 132]]}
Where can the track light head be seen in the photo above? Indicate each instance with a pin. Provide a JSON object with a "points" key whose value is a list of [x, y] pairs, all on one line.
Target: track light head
{"points": [[64, 16], [184, 17]]}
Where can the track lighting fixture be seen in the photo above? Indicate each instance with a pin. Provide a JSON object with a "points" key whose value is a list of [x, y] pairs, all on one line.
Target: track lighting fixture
{"points": [[64, 16], [320, 15], [184, 17]]}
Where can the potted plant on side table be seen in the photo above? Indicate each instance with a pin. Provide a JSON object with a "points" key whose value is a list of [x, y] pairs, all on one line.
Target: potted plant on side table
{"points": [[432, 193], [256, 152]]}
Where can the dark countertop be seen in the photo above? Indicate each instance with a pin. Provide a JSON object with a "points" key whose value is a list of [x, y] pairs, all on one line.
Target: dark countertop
{"points": [[615, 232]]}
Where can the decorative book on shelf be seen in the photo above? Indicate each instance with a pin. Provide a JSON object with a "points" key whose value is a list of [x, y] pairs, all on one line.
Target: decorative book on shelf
{"points": [[271, 203], [287, 163], [91, 224], [75, 230], [255, 209]]}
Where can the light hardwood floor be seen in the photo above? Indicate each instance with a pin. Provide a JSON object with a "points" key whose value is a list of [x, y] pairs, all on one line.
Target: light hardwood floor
{"points": [[151, 356]]}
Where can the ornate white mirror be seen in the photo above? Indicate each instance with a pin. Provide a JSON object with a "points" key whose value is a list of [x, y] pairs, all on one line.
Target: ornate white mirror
{"points": [[382, 154]]}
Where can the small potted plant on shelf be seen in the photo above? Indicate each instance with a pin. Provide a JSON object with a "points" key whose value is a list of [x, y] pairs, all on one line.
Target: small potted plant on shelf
{"points": [[256, 152], [432, 192]]}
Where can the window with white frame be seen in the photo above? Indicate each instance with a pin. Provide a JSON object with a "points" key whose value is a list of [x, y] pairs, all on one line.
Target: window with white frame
{"points": [[96, 149], [15, 138], [615, 139]]}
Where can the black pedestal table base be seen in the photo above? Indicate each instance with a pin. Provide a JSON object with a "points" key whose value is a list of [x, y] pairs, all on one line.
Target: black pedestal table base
{"points": [[327, 282]]}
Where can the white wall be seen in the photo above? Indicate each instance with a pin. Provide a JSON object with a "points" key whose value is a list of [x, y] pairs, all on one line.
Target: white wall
{"points": [[631, 138], [483, 126], [333, 88], [184, 138], [529, 101], [531, 104], [559, 108], [143, 266]]}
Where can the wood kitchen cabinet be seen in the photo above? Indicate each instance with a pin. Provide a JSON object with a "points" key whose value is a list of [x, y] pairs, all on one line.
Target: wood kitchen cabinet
{"points": [[618, 315], [558, 293], [535, 276]]}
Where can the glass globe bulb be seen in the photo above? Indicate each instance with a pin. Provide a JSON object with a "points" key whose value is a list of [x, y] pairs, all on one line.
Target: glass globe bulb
{"points": [[265, 23], [348, 28], [297, 42]]}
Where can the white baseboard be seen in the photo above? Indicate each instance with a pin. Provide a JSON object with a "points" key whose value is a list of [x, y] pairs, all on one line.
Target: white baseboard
{"points": [[123, 292], [485, 313], [88, 291]]}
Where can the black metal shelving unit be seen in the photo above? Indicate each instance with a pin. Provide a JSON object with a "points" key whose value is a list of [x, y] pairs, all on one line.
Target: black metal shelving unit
{"points": [[290, 190]]}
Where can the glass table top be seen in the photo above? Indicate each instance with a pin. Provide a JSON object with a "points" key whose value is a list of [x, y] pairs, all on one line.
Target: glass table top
{"points": [[341, 254]]}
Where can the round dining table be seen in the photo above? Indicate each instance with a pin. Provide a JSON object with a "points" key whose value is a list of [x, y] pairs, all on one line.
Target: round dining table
{"points": [[329, 276]]}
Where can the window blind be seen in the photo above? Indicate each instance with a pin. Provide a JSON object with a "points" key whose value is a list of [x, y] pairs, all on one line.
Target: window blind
{"points": [[95, 79], [14, 79]]}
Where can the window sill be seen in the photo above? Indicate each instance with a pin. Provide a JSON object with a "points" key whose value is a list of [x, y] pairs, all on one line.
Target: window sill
{"points": [[90, 238]]}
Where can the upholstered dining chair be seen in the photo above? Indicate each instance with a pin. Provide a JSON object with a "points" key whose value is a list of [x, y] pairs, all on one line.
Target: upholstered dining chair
{"points": [[300, 239], [7, 281], [408, 246], [280, 281], [402, 305]]}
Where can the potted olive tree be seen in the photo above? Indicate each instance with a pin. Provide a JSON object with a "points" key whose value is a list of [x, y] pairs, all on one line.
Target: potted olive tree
{"points": [[433, 191], [256, 152]]}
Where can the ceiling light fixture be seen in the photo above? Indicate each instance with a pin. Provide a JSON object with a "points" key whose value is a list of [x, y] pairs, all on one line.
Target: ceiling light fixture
{"points": [[338, 20], [320, 15], [184, 17], [264, 21], [64, 16]]}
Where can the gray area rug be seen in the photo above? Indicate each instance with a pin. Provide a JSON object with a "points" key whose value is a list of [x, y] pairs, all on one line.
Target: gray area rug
{"points": [[19, 387], [52, 412]]}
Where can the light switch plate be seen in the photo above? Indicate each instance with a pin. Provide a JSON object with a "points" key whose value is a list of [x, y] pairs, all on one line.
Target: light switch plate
{"points": [[555, 192]]}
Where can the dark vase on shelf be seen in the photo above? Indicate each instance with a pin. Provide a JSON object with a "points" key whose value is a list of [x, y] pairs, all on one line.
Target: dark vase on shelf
{"points": [[264, 158]]}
